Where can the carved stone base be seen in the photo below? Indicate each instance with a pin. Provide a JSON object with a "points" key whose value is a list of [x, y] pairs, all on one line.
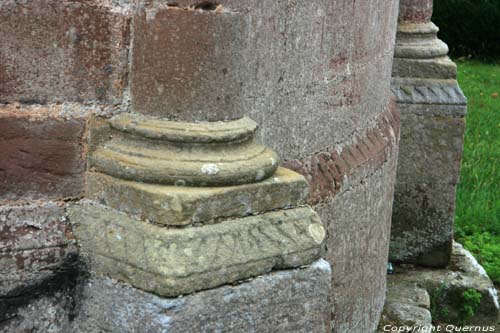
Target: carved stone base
{"points": [[175, 261], [177, 208]]}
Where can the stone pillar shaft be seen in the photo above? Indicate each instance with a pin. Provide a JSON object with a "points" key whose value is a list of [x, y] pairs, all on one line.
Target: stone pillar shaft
{"points": [[432, 108]]}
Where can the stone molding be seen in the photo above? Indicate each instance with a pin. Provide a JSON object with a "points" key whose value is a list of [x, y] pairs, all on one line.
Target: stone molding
{"points": [[159, 151], [411, 91]]}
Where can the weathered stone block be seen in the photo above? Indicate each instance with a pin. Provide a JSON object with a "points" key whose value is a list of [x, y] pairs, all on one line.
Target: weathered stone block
{"points": [[175, 205], [415, 11], [433, 145], [407, 304], [448, 285], [189, 60], [41, 153], [422, 227], [40, 313], [285, 301], [174, 261], [54, 51], [432, 130], [439, 68], [34, 242]]}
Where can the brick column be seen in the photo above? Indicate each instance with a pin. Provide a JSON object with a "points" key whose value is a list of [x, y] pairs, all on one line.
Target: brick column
{"points": [[432, 108]]}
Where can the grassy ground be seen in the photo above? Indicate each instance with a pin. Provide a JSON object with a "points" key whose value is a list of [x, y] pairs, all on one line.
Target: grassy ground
{"points": [[478, 195]]}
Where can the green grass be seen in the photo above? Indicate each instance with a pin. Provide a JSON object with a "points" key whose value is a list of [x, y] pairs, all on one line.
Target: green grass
{"points": [[477, 223]]}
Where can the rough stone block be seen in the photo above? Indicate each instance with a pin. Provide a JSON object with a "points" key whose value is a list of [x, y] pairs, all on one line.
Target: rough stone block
{"points": [[431, 145], [175, 205], [407, 304], [398, 315], [285, 301], [41, 153], [448, 285], [41, 313], [415, 11], [35, 245], [422, 223], [54, 51], [187, 61], [174, 261], [438, 68]]}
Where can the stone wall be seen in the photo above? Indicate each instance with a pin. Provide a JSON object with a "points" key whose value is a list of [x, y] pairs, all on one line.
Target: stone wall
{"points": [[315, 75]]}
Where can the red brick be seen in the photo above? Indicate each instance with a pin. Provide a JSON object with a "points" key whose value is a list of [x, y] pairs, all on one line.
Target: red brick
{"points": [[385, 128], [333, 169], [363, 148], [40, 154], [349, 158], [325, 179], [342, 166], [54, 51], [372, 139], [379, 140], [296, 166], [326, 171]]}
